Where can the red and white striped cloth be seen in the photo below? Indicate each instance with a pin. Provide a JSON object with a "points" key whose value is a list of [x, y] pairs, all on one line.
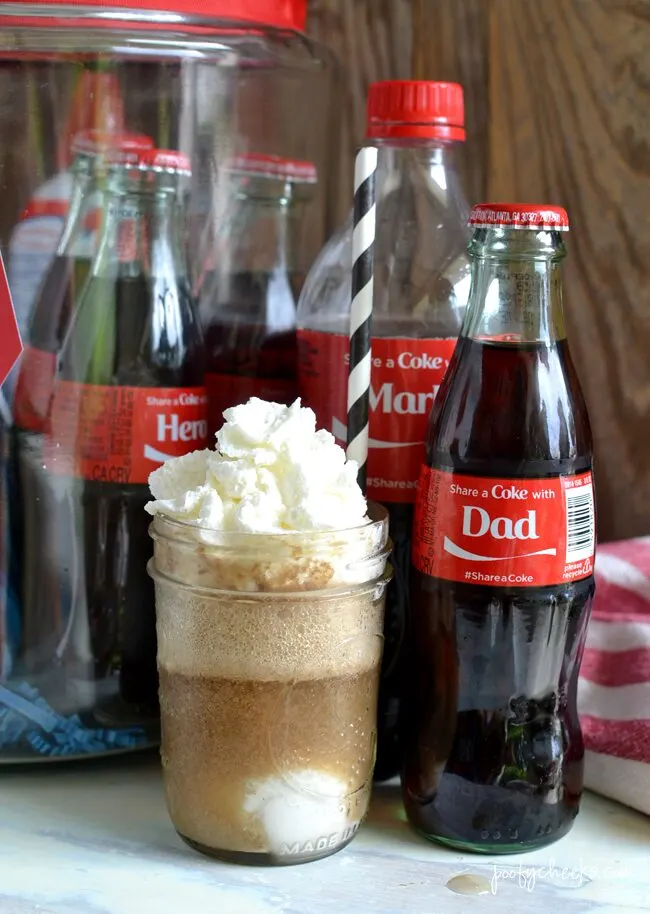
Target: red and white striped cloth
{"points": [[614, 686]]}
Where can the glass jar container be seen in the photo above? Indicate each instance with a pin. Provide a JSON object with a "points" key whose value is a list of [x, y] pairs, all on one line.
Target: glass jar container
{"points": [[211, 80], [208, 80]]}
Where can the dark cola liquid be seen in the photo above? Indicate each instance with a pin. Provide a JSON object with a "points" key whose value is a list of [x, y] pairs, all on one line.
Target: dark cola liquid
{"points": [[53, 311], [116, 543], [493, 747], [119, 593], [251, 343], [389, 748]]}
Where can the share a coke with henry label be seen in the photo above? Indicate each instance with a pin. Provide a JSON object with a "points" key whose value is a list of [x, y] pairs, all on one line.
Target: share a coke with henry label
{"points": [[515, 532], [406, 376], [502, 561], [121, 434]]}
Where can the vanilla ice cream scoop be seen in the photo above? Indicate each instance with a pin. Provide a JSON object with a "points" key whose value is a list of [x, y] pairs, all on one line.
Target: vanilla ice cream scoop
{"points": [[300, 807]]}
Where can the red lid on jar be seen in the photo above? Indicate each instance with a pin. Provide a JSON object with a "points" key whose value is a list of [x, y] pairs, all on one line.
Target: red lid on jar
{"points": [[278, 14], [270, 166], [95, 141], [520, 216], [415, 109]]}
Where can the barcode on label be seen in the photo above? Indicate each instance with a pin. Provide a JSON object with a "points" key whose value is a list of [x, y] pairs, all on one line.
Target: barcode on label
{"points": [[580, 526]]}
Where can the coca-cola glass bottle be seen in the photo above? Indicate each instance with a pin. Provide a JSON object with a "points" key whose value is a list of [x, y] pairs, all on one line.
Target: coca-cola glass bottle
{"points": [[420, 292], [94, 112], [248, 296], [36, 514], [128, 395], [503, 554], [68, 271]]}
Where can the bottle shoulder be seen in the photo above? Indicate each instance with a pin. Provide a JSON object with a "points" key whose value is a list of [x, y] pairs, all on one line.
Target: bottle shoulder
{"points": [[416, 292], [510, 410], [133, 331], [421, 265], [325, 296], [58, 187]]}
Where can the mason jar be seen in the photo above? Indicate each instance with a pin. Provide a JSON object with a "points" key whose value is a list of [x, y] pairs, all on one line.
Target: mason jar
{"points": [[269, 649]]}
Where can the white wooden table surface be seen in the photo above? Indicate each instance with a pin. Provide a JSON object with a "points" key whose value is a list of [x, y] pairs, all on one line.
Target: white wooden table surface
{"points": [[96, 839]]}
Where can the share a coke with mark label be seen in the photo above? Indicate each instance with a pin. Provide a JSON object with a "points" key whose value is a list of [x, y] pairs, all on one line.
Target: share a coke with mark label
{"points": [[406, 376], [128, 394], [502, 558]]}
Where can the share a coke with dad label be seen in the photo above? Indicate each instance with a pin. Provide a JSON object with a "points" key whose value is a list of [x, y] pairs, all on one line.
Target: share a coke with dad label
{"points": [[406, 376], [504, 532], [121, 434]]}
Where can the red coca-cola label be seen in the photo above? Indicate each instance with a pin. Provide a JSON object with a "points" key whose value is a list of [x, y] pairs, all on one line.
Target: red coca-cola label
{"points": [[504, 532], [226, 390], [406, 375], [121, 434], [34, 389]]}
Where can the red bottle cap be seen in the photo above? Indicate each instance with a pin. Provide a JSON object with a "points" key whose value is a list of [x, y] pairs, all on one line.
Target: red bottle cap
{"points": [[146, 158], [415, 109], [270, 166], [278, 14], [167, 160], [93, 142], [520, 216]]}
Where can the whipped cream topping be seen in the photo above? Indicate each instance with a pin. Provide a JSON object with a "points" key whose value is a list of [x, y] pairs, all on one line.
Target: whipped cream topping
{"points": [[271, 472]]}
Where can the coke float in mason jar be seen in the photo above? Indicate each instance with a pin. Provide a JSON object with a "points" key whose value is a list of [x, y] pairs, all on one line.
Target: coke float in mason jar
{"points": [[128, 395], [421, 282], [503, 556]]}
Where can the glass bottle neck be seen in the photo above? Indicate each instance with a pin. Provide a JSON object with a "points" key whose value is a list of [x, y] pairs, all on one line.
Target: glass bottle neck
{"points": [[260, 236], [421, 240], [141, 235], [82, 199], [516, 287]]}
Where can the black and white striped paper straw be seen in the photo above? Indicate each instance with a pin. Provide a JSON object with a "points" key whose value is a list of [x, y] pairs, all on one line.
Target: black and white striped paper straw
{"points": [[363, 243]]}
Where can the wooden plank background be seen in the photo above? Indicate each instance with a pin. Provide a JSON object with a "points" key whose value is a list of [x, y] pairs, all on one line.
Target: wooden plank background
{"points": [[557, 98]]}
